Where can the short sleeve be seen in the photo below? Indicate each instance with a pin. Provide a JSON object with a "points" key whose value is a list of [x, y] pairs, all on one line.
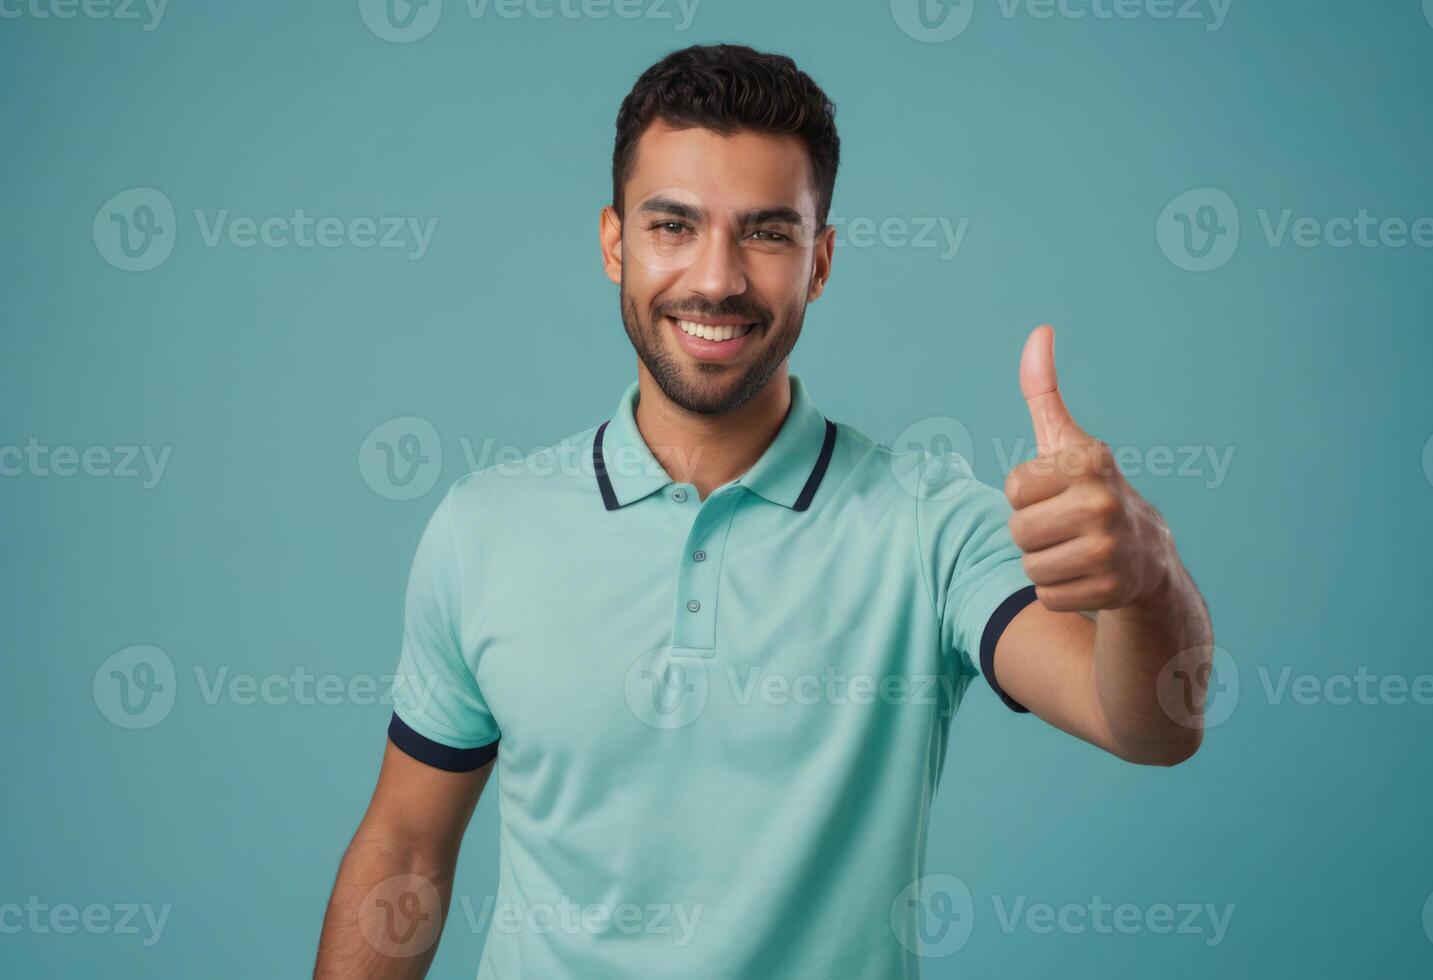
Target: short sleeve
{"points": [[972, 567], [439, 714]]}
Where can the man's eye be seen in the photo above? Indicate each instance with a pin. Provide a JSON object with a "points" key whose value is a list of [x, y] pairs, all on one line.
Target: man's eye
{"points": [[671, 227], [771, 236]]}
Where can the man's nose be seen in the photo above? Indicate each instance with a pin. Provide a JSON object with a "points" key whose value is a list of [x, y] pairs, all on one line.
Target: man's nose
{"points": [[719, 270]]}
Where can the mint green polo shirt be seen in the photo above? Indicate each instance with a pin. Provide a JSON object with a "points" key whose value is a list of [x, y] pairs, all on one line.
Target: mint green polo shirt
{"points": [[719, 724]]}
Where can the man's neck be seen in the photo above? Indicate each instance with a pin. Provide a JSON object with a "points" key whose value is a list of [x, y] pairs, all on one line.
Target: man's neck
{"points": [[710, 450]]}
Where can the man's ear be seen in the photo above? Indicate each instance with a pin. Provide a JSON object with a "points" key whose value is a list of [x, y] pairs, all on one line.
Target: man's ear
{"points": [[609, 239], [822, 252]]}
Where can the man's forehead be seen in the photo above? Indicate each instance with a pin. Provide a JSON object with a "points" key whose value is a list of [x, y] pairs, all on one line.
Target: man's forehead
{"points": [[742, 171]]}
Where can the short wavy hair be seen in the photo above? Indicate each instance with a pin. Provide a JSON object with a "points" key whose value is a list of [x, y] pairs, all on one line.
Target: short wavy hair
{"points": [[728, 88]]}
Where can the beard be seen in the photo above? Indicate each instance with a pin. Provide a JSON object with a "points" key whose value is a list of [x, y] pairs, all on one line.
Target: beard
{"points": [[701, 387]]}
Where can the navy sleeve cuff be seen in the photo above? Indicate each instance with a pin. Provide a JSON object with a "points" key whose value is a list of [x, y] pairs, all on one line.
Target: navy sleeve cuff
{"points": [[995, 626], [436, 754]]}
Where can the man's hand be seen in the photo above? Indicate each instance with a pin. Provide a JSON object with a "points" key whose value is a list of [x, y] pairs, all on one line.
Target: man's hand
{"points": [[1090, 541]]}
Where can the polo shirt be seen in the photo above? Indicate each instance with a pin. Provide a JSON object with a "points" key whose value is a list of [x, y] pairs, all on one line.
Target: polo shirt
{"points": [[721, 721]]}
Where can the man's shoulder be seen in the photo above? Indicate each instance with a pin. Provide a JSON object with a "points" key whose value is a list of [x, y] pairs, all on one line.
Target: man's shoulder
{"points": [[895, 472], [561, 468]]}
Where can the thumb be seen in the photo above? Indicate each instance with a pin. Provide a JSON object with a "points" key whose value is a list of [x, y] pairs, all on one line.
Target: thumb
{"points": [[1055, 428]]}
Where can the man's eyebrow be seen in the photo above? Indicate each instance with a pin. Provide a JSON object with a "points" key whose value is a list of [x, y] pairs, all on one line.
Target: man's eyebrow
{"points": [[667, 205], [782, 215]]}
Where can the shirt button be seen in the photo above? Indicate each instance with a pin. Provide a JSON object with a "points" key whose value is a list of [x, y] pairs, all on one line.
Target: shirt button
{"points": [[679, 495], [699, 556], [693, 605]]}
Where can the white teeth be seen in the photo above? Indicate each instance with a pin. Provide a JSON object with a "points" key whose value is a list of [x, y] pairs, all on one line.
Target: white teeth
{"points": [[713, 333]]}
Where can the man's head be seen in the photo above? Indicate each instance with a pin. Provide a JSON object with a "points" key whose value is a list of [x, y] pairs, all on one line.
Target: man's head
{"points": [[722, 177]]}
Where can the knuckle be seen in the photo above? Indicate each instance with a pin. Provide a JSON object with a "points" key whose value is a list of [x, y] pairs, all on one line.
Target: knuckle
{"points": [[1107, 588], [1102, 457], [1050, 599], [1019, 533], [1103, 549], [1013, 482], [1091, 503]]}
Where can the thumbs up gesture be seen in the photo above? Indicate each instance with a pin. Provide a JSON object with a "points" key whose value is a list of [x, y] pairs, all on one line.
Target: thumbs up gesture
{"points": [[1090, 541]]}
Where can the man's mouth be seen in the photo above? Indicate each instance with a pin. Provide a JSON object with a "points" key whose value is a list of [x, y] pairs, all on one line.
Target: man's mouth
{"points": [[715, 329], [712, 338]]}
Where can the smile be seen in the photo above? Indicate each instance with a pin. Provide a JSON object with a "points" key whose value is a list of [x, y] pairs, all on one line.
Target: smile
{"points": [[710, 332]]}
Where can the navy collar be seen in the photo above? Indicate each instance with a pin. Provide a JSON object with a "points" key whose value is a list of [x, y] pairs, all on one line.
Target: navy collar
{"points": [[788, 473]]}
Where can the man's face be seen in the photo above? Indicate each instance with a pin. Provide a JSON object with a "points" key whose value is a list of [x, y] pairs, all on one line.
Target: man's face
{"points": [[717, 257]]}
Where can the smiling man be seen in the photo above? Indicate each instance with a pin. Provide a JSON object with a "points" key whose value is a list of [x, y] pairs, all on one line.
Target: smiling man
{"points": [[715, 665]]}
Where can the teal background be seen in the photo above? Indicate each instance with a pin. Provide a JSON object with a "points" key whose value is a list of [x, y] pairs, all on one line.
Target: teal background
{"points": [[263, 549]]}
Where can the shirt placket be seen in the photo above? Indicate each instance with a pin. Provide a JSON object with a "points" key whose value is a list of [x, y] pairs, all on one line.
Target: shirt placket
{"points": [[699, 567]]}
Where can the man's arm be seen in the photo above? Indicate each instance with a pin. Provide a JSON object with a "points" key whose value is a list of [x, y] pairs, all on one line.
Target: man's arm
{"points": [[1110, 682], [396, 879], [1131, 681]]}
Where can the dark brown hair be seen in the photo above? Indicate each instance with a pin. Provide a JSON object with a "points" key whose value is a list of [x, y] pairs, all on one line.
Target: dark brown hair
{"points": [[728, 88]]}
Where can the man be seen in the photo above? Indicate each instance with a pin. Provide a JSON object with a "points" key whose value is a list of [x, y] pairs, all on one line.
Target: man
{"points": [[716, 664]]}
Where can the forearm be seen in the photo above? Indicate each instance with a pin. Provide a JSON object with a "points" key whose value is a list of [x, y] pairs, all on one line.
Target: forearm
{"points": [[387, 909], [1133, 646]]}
